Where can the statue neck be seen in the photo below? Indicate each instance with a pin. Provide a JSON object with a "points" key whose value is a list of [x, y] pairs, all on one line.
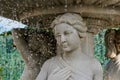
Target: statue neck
{"points": [[73, 54]]}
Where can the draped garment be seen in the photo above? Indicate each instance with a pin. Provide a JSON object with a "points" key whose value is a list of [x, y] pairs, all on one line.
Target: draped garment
{"points": [[58, 61]]}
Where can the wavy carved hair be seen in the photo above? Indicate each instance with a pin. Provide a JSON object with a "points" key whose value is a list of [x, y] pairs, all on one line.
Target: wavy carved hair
{"points": [[72, 19]]}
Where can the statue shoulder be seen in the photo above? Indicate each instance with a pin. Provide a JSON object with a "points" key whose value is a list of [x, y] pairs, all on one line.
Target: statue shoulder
{"points": [[49, 61], [96, 65], [49, 65], [95, 62]]}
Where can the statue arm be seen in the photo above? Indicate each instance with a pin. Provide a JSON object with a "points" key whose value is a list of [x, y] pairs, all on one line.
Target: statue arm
{"points": [[98, 72]]}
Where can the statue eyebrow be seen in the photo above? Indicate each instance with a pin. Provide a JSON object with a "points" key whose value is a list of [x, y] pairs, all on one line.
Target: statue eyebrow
{"points": [[57, 33]]}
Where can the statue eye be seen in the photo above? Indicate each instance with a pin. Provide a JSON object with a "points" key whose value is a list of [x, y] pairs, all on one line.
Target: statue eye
{"points": [[67, 32], [58, 35]]}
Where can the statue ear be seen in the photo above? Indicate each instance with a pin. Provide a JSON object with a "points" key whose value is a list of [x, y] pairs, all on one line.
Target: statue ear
{"points": [[111, 51]]}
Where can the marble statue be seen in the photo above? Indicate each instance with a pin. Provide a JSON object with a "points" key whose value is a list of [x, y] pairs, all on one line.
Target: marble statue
{"points": [[112, 69], [70, 63]]}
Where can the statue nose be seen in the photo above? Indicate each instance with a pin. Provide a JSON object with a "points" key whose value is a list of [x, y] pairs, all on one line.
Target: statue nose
{"points": [[63, 39]]}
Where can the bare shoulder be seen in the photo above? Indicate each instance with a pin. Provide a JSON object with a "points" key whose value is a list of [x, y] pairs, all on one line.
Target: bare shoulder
{"points": [[96, 65], [97, 69], [95, 61], [49, 65]]}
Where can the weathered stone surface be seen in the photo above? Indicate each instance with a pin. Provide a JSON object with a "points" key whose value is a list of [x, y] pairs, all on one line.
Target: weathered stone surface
{"points": [[73, 60]]}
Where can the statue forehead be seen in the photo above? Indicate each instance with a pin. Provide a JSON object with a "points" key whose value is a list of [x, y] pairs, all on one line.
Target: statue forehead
{"points": [[63, 27]]}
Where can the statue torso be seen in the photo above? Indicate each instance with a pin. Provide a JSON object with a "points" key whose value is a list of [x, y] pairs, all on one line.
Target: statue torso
{"points": [[81, 70]]}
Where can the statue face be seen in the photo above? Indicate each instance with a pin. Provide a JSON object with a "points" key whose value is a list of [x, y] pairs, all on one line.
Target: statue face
{"points": [[67, 37]]}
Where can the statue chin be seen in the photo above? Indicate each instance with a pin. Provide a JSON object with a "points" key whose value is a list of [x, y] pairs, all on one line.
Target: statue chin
{"points": [[66, 49]]}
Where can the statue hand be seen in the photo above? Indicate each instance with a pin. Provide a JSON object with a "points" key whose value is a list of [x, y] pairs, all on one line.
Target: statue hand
{"points": [[60, 74], [70, 78]]}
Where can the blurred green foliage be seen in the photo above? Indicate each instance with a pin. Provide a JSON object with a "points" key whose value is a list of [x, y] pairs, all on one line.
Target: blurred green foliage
{"points": [[11, 63], [99, 47], [1, 73]]}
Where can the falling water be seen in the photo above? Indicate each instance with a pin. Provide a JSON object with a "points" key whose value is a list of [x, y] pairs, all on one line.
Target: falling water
{"points": [[66, 6]]}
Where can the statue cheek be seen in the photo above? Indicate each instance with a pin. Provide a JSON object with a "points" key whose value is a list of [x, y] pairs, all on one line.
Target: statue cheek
{"points": [[58, 43]]}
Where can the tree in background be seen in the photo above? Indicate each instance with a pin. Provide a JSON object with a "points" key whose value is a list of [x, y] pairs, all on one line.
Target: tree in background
{"points": [[11, 63]]}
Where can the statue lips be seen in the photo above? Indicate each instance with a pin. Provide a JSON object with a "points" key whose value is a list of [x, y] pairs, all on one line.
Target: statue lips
{"points": [[64, 45]]}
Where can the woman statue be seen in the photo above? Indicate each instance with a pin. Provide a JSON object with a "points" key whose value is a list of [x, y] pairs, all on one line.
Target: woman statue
{"points": [[70, 63], [112, 69]]}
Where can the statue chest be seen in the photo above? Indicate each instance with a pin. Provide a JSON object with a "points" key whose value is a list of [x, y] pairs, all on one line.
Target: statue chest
{"points": [[79, 70]]}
